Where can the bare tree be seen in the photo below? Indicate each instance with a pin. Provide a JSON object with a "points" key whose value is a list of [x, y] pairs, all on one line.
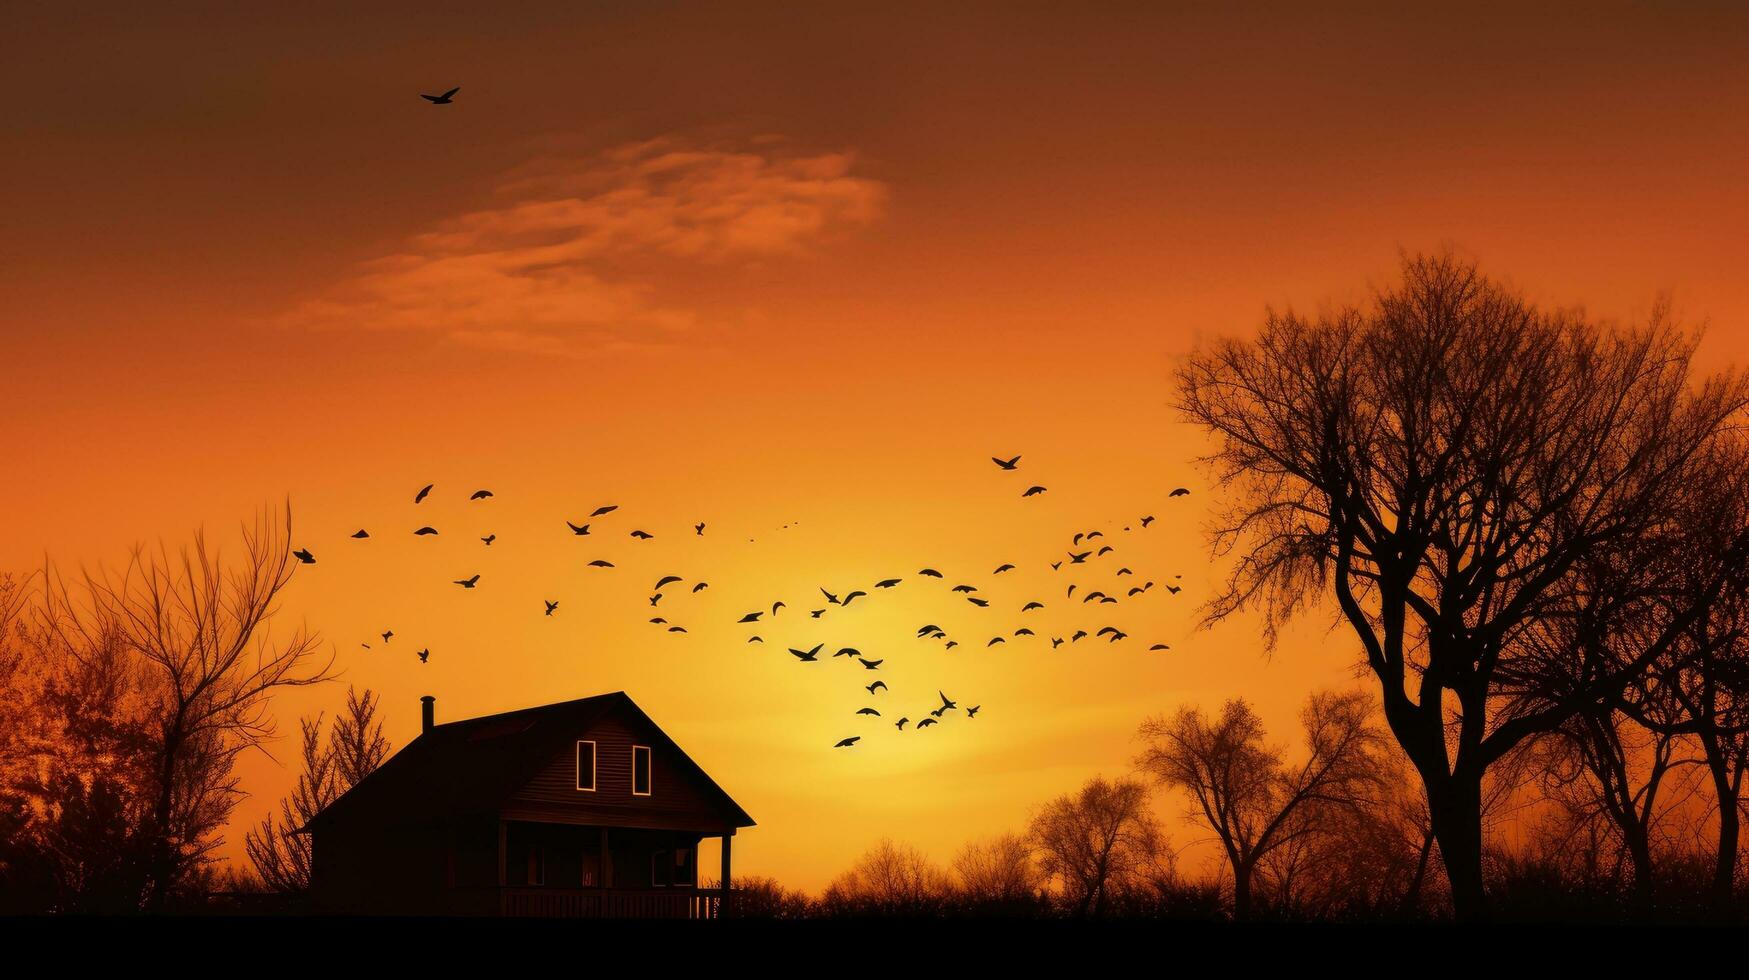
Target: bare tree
{"points": [[1241, 789], [278, 849], [999, 871], [1437, 463], [891, 878], [197, 627], [1098, 841], [1709, 672]]}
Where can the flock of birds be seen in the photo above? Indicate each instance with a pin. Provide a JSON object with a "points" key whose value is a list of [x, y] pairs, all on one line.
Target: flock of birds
{"points": [[1082, 551], [1088, 549]]}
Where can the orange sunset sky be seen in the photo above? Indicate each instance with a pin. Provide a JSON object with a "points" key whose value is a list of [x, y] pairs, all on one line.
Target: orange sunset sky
{"points": [[767, 265]]}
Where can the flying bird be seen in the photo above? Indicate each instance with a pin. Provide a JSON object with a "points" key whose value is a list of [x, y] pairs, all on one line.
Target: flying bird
{"points": [[664, 580], [808, 656], [829, 597], [421, 494], [931, 628], [480, 495], [776, 606], [925, 723], [1125, 571], [886, 583], [388, 635], [444, 99], [655, 598], [848, 652], [601, 563], [1174, 589], [608, 509], [699, 527], [980, 603], [932, 573], [1002, 568], [700, 587], [847, 742], [577, 529], [642, 535], [1078, 635], [994, 640], [877, 686], [1033, 491], [816, 613], [1108, 549], [427, 529], [871, 664], [1078, 558], [1056, 641], [1006, 464], [468, 583], [900, 724], [1159, 646], [551, 605], [361, 533], [1029, 607], [972, 712], [1147, 520], [965, 588], [676, 629], [756, 639], [1180, 492], [869, 711], [425, 655], [752, 617], [1023, 631], [303, 555], [951, 644], [489, 539], [853, 595]]}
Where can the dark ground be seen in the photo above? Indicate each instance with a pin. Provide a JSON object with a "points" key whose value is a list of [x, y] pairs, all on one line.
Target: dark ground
{"points": [[886, 947]]}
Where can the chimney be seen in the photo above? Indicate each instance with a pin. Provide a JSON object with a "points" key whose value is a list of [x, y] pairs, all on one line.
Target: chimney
{"points": [[428, 713]]}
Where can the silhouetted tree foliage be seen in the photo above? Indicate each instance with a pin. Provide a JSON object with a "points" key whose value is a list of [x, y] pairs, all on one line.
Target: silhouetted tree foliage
{"points": [[1099, 843], [128, 700], [1266, 814], [890, 879], [355, 746], [1456, 468], [999, 875]]}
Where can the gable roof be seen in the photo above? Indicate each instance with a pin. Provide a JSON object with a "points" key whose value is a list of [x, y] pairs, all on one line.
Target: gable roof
{"points": [[473, 765]]}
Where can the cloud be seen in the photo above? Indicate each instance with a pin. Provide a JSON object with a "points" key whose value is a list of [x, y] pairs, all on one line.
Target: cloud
{"points": [[575, 255]]}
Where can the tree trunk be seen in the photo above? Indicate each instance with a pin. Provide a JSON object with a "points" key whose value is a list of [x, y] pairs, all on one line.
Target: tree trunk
{"points": [[1730, 829], [1241, 892], [1640, 853], [1456, 809]]}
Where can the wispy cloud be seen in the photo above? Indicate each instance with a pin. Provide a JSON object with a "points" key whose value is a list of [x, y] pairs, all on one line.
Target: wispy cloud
{"points": [[570, 260]]}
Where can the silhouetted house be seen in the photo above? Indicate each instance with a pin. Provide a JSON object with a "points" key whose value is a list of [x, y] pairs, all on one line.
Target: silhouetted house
{"points": [[583, 808]]}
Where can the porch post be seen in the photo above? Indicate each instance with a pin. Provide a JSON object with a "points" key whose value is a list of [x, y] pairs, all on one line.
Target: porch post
{"points": [[723, 895], [606, 861]]}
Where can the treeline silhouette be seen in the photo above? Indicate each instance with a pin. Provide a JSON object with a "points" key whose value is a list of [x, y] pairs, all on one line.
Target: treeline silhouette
{"points": [[1336, 830]]}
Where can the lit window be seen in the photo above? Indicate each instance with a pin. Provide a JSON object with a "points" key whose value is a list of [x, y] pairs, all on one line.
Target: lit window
{"points": [[586, 766], [640, 770]]}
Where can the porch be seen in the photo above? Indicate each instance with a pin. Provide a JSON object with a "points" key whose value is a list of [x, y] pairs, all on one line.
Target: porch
{"points": [[611, 903]]}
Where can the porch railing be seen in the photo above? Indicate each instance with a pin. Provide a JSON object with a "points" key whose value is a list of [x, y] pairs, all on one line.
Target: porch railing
{"points": [[610, 903]]}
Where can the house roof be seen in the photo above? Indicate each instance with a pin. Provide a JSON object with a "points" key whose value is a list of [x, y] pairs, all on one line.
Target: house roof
{"points": [[473, 765]]}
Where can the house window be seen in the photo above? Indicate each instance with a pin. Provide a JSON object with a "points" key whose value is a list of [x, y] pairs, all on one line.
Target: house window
{"points": [[640, 770], [537, 865], [661, 869], [685, 866], [586, 766]]}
